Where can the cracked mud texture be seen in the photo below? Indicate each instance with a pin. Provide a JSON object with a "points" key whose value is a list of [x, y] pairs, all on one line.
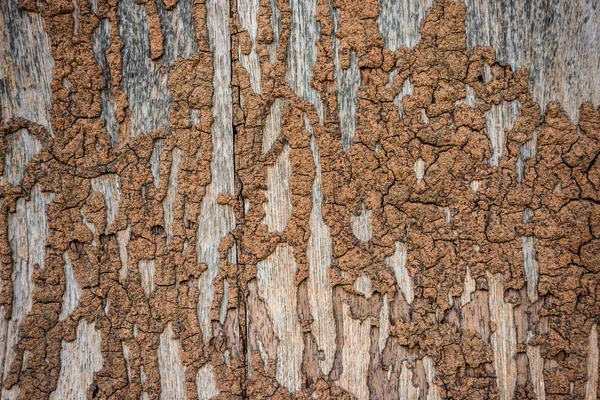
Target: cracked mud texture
{"points": [[304, 199]]}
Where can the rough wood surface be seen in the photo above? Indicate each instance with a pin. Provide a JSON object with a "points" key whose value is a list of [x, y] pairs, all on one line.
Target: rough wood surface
{"points": [[310, 199]]}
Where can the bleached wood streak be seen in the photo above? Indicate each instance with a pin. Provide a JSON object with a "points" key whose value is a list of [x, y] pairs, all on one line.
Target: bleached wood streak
{"points": [[566, 68], [126, 356], [476, 315], [147, 270], [248, 14], [591, 386], [144, 82], [75, 13], [384, 324], [27, 233], [419, 168], [272, 125], [172, 370], [498, 119], [531, 267], [109, 186], [123, 240], [424, 116], [407, 90], [216, 221], [21, 148], [469, 288], [528, 150], [157, 150], [406, 388], [25, 77], [101, 44], [276, 26], [398, 263], [362, 284], [530, 264], [302, 52], [276, 275], [224, 302], [399, 21], [177, 26], [355, 354], [80, 360], [206, 383], [347, 83], [278, 206], [536, 368], [169, 200], [503, 339], [319, 254], [433, 391], [362, 225], [470, 97], [72, 290], [25, 65]]}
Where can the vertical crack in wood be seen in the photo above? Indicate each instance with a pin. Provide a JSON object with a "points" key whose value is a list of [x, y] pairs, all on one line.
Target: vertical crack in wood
{"points": [[276, 27], [347, 83], [319, 256], [215, 220], [503, 337], [101, 44]]}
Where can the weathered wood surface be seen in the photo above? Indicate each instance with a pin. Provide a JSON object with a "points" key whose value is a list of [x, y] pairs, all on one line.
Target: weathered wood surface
{"points": [[304, 198]]}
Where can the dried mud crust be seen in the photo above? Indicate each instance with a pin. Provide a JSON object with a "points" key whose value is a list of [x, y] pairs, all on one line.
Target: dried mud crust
{"points": [[446, 225]]}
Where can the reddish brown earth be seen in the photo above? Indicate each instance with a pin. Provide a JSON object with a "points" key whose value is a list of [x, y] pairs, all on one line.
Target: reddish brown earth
{"points": [[560, 185]]}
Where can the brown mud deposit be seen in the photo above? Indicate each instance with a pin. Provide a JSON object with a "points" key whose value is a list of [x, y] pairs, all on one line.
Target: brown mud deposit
{"points": [[453, 251]]}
